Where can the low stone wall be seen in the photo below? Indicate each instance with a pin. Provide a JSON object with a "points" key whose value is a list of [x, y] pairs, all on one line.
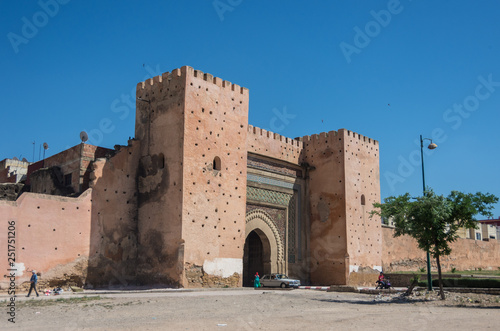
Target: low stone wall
{"points": [[494, 291], [402, 254], [402, 280]]}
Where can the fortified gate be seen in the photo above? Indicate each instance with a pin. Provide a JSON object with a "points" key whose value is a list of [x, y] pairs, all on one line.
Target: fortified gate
{"points": [[201, 198], [230, 199]]}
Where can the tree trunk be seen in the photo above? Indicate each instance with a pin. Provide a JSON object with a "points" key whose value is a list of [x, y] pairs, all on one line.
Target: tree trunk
{"points": [[414, 283], [440, 278]]}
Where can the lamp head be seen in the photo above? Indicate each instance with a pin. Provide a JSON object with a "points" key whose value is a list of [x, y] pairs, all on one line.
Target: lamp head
{"points": [[432, 145]]}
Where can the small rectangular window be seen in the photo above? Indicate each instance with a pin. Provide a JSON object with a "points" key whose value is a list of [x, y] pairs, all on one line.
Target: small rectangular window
{"points": [[67, 180], [478, 236]]}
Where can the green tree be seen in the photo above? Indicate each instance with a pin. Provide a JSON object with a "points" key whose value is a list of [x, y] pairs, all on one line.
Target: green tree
{"points": [[434, 220]]}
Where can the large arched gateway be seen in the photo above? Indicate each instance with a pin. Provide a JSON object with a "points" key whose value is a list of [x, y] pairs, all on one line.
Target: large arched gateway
{"points": [[263, 251]]}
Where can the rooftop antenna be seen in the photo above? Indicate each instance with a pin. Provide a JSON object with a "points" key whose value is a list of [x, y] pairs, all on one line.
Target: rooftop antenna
{"points": [[45, 147], [33, 151], [84, 136]]}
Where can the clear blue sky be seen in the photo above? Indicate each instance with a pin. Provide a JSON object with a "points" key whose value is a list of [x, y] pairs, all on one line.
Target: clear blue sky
{"points": [[390, 70]]}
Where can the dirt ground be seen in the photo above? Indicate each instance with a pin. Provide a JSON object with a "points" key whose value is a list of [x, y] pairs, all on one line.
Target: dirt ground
{"points": [[248, 309]]}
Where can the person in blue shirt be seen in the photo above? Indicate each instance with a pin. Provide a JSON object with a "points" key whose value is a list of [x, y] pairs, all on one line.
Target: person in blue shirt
{"points": [[33, 280]]}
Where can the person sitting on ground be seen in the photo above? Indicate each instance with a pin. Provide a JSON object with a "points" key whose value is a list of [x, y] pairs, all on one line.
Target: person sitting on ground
{"points": [[381, 279]]}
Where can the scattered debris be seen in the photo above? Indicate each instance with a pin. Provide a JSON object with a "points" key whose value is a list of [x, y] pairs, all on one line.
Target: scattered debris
{"points": [[452, 299]]}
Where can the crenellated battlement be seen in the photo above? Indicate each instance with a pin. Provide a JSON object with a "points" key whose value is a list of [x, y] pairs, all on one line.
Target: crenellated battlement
{"points": [[322, 135], [271, 144], [360, 137], [275, 136], [330, 134], [216, 80], [187, 71], [160, 79]]}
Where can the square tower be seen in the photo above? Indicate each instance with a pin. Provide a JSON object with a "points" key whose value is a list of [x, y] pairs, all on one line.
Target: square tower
{"points": [[343, 184], [192, 179]]}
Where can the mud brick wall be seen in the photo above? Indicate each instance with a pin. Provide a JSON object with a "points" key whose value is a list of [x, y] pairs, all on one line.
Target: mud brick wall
{"points": [[51, 236], [403, 254]]}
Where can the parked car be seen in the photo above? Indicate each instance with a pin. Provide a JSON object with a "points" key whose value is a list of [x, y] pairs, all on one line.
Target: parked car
{"points": [[278, 280]]}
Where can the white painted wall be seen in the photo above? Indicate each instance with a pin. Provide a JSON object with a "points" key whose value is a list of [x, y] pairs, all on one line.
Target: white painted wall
{"points": [[223, 267]]}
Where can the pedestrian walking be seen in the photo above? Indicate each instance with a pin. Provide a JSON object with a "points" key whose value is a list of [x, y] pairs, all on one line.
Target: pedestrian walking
{"points": [[256, 282], [33, 280]]}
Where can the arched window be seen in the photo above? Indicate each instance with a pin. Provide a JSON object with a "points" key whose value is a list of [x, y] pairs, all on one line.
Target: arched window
{"points": [[363, 202], [217, 164]]}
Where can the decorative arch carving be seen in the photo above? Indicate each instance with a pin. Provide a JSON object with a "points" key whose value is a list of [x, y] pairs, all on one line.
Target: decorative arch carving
{"points": [[259, 219]]}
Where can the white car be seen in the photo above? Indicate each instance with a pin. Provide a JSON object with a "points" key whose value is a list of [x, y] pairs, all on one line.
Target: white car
{"points": [[278, 280]]}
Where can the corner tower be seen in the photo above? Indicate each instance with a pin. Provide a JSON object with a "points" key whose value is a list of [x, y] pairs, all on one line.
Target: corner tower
{"points": [[343, 184], [192, 179]]}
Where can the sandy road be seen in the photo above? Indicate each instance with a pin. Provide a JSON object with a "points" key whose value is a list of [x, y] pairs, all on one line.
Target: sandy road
{"points": [[246, 309]]}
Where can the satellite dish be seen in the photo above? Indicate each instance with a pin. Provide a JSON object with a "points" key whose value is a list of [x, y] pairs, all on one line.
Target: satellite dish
{"points": [[84, 136], [45, 146]]}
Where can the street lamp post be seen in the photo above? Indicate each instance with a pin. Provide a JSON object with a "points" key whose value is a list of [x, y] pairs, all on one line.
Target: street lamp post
{"points": [[431, 146]]}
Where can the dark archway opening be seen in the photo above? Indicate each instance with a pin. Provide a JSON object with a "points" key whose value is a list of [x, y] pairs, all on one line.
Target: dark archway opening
{"points": [[253, 259]]}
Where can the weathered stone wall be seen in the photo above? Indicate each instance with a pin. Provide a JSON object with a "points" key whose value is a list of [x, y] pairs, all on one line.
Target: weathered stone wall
{"points": [[215, 158], [324, 155], [10, 191], [364, 276], [49, 181], [89, 153], [197, 277], [74, 161], [403, 254], [160, 131], [364, 235], [113, 240], [51, 236], [68, 161]]}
